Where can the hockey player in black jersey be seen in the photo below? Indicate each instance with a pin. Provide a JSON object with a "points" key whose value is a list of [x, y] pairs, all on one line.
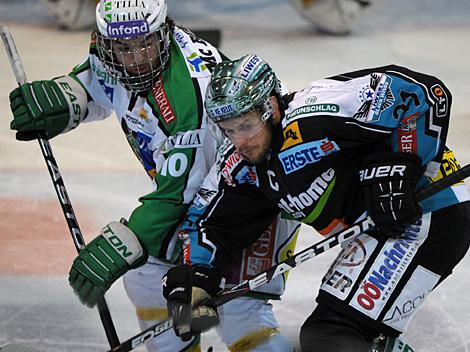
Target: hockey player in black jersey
{"points": [[357, 144]]}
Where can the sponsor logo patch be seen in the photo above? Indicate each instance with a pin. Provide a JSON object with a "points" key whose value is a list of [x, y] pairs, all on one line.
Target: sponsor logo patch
{"points": [[128, 29], [312, 109], [311, 100], [382, 171], [292, 136], [163, 103], [248, 67], [449, 165], [383, 99], [195, 63], [345, 271], [229, 165], [106, 81], [134, 120], [180, 39], [298, 157], [407, 137], [442, 100], [418, 287], [258, 257], [181, 140], [295, 205], [388, 269], [221, 110]]}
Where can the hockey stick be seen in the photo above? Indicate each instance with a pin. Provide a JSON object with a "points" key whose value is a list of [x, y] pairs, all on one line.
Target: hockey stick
{"points": [[291, 262], [58, 182]]}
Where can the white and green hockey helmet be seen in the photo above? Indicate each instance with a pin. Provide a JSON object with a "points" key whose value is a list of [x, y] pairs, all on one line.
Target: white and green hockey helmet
{"points": [[133, 40], [239, 86]]}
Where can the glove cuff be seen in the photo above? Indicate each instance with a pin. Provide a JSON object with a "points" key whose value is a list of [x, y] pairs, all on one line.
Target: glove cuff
{"points": [[178, 282], [76, 98], [125, 243]]}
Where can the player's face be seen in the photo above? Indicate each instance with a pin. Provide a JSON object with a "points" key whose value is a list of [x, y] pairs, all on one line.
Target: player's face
{"points": [[250, 135], [138, 56]]}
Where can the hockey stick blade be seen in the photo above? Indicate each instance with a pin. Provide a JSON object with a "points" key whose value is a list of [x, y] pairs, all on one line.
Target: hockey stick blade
{"points": [[291, 262], [59, 186]]}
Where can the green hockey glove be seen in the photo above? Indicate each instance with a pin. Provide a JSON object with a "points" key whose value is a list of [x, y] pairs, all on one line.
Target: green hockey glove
{"points": [[103, 261], [47, 107]]}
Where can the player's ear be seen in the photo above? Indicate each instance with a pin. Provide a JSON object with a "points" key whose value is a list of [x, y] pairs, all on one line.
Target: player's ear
{"points": [[276, 110]]}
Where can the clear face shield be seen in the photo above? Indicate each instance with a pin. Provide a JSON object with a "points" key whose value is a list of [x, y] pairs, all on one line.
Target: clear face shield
{"points": [[248, 125], [138, 62], [242, 128]]}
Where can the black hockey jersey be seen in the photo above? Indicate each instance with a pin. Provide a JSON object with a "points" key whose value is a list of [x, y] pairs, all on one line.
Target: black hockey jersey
{"points": [[311, 173]]}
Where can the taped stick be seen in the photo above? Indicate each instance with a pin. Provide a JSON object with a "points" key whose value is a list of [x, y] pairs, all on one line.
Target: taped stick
{"points": [[59, 186]]}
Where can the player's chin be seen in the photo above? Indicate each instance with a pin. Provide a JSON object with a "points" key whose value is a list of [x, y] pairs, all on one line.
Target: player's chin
{"points": [[253, 157], [139, 70]]}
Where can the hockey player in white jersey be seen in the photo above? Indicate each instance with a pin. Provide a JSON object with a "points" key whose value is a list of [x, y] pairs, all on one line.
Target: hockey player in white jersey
{"points": [[153, 75]]}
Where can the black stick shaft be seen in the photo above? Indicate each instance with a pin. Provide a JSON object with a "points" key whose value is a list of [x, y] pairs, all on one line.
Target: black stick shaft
{"points": [[444, 183], [59, 185]]}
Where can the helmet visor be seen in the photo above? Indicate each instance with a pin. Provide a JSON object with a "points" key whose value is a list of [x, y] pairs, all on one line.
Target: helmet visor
{"points": [[242, 127]]}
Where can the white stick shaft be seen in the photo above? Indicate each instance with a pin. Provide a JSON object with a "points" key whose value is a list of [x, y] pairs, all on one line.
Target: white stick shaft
{"points": [[13, 56]]}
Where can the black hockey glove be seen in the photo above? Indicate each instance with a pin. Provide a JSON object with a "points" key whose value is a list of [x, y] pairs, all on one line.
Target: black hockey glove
{"points": [[389, 185], [184, 287]]}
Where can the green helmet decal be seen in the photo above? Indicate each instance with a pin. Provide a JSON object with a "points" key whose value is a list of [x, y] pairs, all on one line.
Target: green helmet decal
{"points": [[239, 86]]}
